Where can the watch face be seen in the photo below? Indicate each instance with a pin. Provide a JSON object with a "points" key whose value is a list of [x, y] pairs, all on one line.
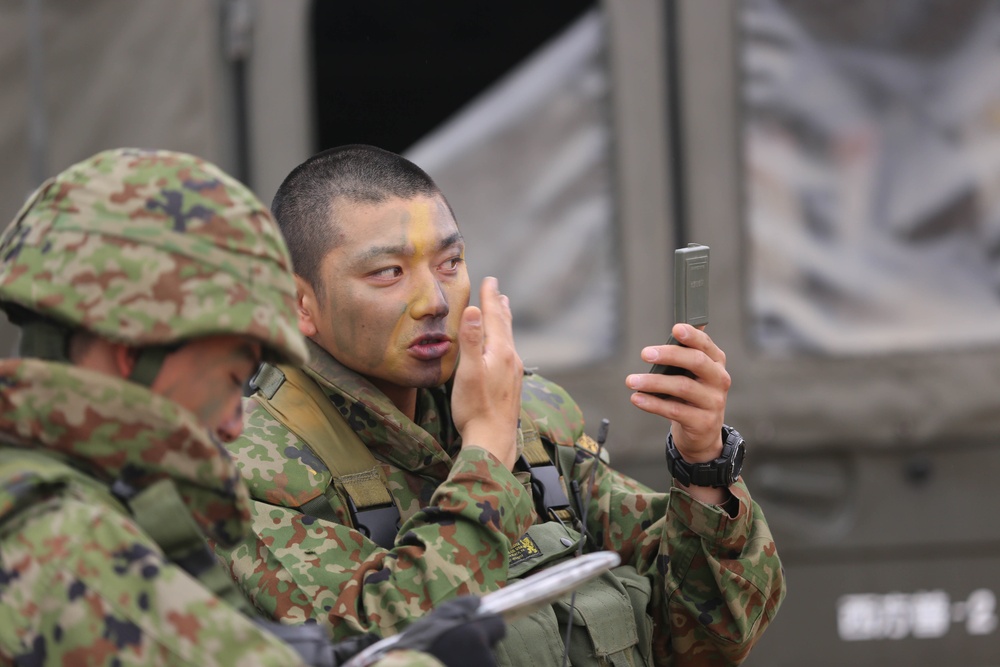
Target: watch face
{"points": [[737, 462]]}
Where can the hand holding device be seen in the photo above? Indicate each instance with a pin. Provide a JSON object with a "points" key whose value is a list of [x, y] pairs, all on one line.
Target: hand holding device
{"points": [[690, 297]]}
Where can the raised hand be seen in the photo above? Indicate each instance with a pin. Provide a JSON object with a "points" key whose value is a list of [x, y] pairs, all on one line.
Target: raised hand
{"points": [[486, 397], [696, 407]]}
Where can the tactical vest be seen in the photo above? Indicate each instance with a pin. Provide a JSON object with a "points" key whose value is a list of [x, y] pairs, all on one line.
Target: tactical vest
{"points": [[29, 477], [609, 623]]}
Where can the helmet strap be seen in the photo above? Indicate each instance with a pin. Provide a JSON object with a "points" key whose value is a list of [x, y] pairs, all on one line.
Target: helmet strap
{"points": [[44, 339], [148, 362]]}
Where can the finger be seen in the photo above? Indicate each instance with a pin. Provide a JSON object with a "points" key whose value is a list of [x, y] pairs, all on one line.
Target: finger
{"points": [[689, 392], [711, 371], [691, 423], [706, 390], [685, 358], [470, 337], [672, 409], [489, 294], [691, 337], [496, 309], [662, 386]]}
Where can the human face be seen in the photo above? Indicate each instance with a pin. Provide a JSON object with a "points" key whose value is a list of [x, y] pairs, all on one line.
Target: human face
{"points": [[394, 290], [206, 376]]}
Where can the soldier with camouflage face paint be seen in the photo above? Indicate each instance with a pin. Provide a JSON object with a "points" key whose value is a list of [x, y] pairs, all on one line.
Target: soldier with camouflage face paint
{"points": [[382, 406], [148, 286]]}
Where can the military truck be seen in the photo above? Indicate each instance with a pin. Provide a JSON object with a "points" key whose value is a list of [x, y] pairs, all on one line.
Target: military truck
{"points": [[841, 159]]}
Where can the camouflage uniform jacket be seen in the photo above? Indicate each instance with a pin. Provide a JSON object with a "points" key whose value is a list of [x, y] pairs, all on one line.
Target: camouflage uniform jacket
{"points": [[80, 582], [716, 579]]}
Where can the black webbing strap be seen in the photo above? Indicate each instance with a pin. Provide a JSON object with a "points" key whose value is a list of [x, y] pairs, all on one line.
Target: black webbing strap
{"points": [[547, 486]]}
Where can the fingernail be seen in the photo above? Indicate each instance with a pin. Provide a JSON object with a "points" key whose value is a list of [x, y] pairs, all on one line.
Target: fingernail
{"points": [[639, 398], [630, 381], [650, 354], [474, 318]]}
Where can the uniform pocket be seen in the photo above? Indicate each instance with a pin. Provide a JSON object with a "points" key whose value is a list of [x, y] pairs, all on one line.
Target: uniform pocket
{"points": [[609, 623], [604, 628], [531, 640]]}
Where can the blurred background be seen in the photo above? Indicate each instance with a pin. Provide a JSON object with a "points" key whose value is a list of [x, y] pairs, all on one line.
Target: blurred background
{"points": [[840, 157]]}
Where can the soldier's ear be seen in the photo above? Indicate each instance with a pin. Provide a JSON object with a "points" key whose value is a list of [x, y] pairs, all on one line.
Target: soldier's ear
{"points": [[306, 306], [100, 354], [124, 359]]}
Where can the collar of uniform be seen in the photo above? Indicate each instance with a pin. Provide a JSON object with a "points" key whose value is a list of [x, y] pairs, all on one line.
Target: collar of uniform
{"points": [[114, 429], [386, 431]]}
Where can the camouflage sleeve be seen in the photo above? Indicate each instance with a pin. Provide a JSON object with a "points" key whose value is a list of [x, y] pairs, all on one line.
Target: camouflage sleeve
{"points": [[717, 580], [296, 567], [81, 585]]}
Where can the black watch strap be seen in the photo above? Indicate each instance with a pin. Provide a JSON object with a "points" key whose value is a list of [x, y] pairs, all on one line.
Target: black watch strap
{"points": [[719, 473]]}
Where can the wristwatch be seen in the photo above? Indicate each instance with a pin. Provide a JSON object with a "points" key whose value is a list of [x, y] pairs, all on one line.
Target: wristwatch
{"points": [[720, 473]]}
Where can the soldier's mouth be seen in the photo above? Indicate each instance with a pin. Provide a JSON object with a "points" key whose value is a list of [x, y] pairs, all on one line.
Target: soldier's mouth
{"points": [[430, 347]]}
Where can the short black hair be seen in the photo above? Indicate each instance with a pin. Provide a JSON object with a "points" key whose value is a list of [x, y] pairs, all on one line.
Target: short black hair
{"points": [[305, 203]]}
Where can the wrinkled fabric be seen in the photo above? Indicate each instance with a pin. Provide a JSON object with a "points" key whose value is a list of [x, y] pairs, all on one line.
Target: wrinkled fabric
{"points": [[717, 580], [80, 583]]}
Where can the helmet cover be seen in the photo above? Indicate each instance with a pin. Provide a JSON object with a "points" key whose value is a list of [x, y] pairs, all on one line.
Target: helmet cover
{"points": [[152, 247]]}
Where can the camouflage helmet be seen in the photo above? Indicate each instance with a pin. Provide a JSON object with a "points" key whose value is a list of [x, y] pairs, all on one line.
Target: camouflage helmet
{"points": [[151, 248]]}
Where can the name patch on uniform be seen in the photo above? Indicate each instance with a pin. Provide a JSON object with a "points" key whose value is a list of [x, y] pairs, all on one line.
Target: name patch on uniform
{"points": [[522, 550]]}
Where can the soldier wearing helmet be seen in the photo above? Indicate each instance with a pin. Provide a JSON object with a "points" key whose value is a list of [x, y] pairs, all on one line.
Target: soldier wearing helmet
{"points": [[148, 286]]}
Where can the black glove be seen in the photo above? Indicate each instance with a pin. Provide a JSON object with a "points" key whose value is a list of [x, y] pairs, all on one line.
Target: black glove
{"points": [[313, 644], [453, 634]]}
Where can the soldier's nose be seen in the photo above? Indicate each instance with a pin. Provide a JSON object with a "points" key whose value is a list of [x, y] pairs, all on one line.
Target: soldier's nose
{"points": [[231, 428]]}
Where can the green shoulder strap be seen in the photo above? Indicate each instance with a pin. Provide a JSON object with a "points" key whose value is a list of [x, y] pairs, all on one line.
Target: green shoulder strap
{"points": [[28, 477], [295, 400], [546, 474], [162, 514], [534, 450]]}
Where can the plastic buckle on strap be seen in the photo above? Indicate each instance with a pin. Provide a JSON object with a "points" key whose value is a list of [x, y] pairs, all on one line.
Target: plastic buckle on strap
{"points": [[379, 524], [549, 491], [267, 380]]}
